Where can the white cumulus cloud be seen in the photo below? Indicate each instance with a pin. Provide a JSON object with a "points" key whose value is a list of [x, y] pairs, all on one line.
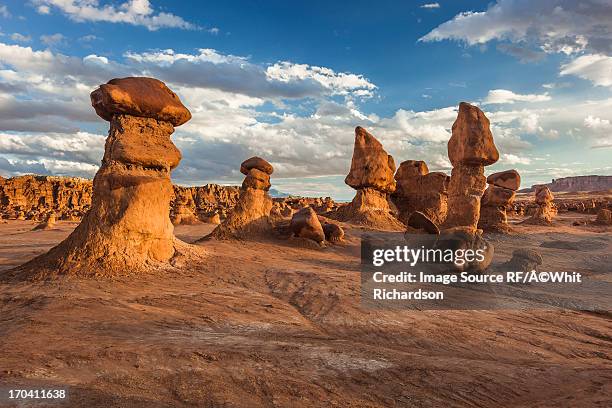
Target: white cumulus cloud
{"points": [[498, 96], [135, 12]]}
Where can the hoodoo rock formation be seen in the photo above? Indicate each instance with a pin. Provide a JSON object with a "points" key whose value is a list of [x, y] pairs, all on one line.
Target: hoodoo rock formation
{"points": [[128, 228], [470, 148], [419, 190], [545, 210], [497, 197], [371, 174], [251, 215]]}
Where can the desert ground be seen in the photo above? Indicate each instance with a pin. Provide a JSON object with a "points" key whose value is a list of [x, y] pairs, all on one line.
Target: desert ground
{"points": [[271, 324]]}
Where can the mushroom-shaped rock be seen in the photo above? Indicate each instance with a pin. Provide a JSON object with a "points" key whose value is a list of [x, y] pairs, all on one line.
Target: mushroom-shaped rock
{"points": [[509, 179], [141, 97], [256, 163], [333, 232], [128, 228], [306, 224], [471, 142], [250, 217], [371, 166], [420, 221]]}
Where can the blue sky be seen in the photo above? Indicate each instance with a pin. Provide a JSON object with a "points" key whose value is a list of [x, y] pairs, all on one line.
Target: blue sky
{"points": [[290, 80]]}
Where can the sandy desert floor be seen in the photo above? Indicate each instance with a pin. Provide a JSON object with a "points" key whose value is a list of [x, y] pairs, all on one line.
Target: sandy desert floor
{"points": [[273, 325]]}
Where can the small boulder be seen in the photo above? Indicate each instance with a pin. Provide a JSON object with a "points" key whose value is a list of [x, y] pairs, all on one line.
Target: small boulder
{"points": [[525, 260], [333, 232], [306, 224]]}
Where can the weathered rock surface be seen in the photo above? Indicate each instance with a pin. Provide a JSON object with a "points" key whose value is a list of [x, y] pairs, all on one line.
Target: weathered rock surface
{"points": [[306, 224], [128, 228], [545, 210], [419, 190], [371, 166], [371, 173], [496, 199], [251, 215], [510, 179], [34, 196], [333, 232], [471, 142], [525, 260], [256, 163], [470, 148], [139, 97]]}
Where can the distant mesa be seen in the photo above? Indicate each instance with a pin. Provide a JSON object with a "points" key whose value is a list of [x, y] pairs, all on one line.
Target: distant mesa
{"points": [[575, 183]]}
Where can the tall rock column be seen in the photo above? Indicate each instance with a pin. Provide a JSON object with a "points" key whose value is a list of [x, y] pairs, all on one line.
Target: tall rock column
{"points": [[371, 174], [470, 148], [128, 228], [497, 197]]}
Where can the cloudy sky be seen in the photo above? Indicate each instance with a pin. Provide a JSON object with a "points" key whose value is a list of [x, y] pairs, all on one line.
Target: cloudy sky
{"points": [[289, 81]]}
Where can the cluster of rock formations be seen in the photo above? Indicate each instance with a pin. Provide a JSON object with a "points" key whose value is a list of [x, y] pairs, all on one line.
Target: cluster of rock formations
{"points": [[129, 210], [372, 175], [128, 227], [498, 196], [35, 197], [209, 203]]}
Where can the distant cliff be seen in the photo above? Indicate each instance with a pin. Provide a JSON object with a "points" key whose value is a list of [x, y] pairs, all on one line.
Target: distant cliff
{"points": [[69, 198], [577, 183]]}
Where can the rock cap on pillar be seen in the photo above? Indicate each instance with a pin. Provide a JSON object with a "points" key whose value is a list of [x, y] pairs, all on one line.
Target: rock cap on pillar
{"points": [[256, 163], [139, 96], [509, 179], [471, 142], [371, 166]]}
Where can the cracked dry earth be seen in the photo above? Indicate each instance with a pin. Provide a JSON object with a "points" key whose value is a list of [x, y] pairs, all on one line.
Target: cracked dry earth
{"points": [[272, 325]]}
